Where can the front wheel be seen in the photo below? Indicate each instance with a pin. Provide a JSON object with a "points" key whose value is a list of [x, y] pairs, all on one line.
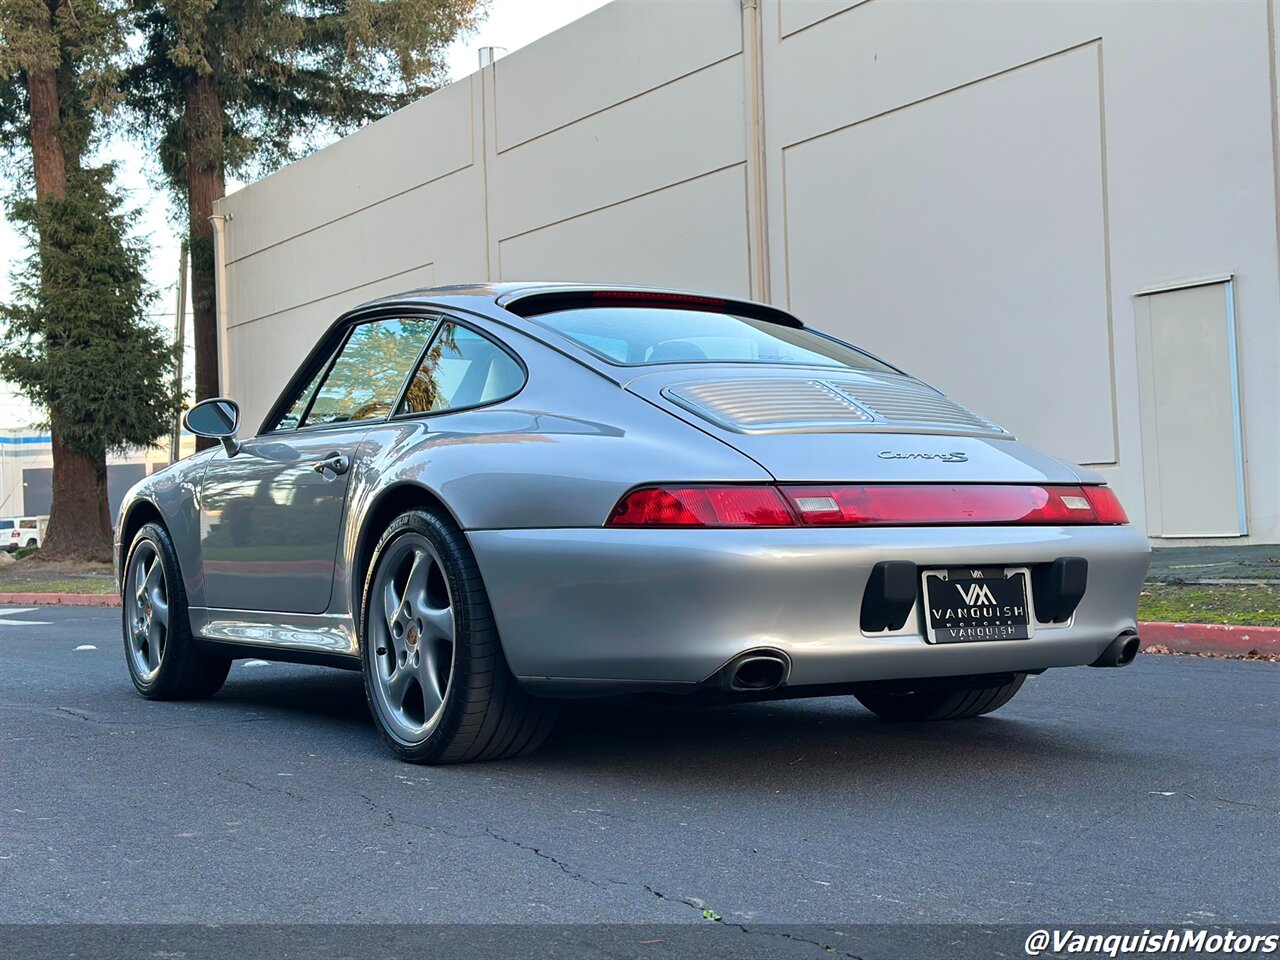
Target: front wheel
{"points": [[164, 661], [437, 683], [941, 704]]}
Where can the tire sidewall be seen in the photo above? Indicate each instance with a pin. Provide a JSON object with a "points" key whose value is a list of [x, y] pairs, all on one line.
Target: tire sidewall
{"points": [[438, 533], [158, 538]]}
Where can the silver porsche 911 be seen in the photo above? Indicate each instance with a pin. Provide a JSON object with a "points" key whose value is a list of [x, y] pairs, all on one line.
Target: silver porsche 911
{"points": [[488, 498]]}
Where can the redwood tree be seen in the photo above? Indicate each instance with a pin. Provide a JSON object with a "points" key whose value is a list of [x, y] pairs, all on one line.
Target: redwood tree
{"points": [[77, 338], [242, 86]]}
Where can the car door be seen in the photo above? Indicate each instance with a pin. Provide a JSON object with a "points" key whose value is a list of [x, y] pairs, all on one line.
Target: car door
{"points": [[270, 516]]}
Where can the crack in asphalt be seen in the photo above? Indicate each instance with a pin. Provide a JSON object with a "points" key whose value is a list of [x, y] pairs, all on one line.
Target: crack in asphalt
{"points": [[603, 884], [745, 928], [489, 832], [79, 715], [224, 775], [537, 852]]}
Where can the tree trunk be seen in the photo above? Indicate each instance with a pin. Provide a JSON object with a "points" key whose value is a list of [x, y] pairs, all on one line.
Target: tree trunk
{"points": [[46, 145], [205, 184], [79, 517]]}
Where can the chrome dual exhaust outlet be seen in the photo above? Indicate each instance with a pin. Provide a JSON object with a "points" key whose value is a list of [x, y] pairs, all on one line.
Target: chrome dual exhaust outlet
{"points": [[1120, 652]]}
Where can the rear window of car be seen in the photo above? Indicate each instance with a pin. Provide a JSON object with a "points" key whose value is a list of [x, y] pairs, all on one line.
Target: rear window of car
{"points": [[638, 336]]}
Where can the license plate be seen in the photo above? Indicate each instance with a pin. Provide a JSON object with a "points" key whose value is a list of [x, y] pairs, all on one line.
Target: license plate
{"points": [[965, 604]]}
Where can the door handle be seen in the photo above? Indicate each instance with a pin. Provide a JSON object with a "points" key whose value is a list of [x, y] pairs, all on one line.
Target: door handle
{"points": [[333, 465]]}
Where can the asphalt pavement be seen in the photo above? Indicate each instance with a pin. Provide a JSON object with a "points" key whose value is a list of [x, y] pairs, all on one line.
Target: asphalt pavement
{"points": [[1143, 795], [1243, 563]]}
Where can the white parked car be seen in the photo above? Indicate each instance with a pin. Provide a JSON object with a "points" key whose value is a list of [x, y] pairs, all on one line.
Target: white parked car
{"points": [[18, 532]]}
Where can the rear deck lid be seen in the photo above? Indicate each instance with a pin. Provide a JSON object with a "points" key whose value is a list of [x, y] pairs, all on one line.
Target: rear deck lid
{"points": [[828, 404], [819, 424]]}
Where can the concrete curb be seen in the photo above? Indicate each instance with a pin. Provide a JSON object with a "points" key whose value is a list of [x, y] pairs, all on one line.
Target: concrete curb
{"points": [[60, 599], [1211, 638]]}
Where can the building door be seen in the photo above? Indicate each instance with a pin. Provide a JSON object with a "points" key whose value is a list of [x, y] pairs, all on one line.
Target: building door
{"points": [[1193, 460]]}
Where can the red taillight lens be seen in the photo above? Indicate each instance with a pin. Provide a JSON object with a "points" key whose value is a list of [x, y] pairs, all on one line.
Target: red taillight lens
{"points": [[868, 505], [702, 507], [1106, 505], [907, 505]]}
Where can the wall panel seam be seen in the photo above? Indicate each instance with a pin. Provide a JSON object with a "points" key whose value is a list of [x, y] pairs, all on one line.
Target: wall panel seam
{"points": [[1106, 266], [351, 213], [942, 93], [783, 35], [620, 202], [617, 103], [335, 293]]}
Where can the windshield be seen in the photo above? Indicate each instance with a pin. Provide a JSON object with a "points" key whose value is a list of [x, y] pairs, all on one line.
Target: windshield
{"points": [[635, 336]]}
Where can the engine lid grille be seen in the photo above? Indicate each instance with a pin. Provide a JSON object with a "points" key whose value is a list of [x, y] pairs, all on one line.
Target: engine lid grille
{"points": [[769, 404], [912, 403], [789, 405]]}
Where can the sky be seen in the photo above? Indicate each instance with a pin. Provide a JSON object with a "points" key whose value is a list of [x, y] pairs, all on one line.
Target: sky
{"points": [[511, 24]]}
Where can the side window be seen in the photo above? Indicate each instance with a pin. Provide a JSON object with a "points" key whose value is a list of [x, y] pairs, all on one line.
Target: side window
{"points": [[363, 383], [461, 368], [293, 418]]}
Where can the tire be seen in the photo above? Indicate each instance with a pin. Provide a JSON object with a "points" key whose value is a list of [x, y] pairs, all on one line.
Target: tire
{"points": [[32, 543], [941, 704], [154, 611], [438, 699]]}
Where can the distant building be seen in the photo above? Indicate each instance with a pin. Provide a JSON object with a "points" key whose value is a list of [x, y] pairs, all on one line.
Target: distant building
{"points": [[26, 471]]}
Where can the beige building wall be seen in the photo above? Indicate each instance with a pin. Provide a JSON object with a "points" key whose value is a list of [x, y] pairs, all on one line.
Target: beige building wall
{"points": [[978, 191]]}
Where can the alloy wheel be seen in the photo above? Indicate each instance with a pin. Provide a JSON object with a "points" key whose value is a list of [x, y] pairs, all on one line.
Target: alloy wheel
{"points": [[146, 600], [411, 631]]}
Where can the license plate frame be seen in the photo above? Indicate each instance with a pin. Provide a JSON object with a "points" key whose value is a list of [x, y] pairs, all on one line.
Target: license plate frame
{"points": [[1007, 588]]}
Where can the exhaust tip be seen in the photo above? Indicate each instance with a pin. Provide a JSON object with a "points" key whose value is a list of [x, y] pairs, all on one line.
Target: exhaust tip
{"points": [[756, 672], [1120, 652], [1128, 651]]}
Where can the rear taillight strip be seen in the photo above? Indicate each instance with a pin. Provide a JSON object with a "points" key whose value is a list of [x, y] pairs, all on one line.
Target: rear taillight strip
{"points": [[868, 505]]}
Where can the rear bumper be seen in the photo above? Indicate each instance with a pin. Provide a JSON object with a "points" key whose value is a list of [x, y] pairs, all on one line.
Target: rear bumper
{"points": [[592, 610]]}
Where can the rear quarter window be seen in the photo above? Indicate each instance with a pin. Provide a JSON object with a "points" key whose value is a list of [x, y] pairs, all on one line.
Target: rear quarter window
{"points": [[461, 368]]}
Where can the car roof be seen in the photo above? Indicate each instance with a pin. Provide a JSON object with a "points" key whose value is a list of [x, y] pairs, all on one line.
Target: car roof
{"points": [[497, 302]]}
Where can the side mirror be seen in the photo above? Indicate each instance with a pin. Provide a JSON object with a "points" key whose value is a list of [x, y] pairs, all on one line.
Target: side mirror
{"points": [[217, 417]]}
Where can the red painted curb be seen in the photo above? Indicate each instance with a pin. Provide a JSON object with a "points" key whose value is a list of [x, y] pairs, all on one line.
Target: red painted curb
{"points": [[1211, 638], [60, 599]]}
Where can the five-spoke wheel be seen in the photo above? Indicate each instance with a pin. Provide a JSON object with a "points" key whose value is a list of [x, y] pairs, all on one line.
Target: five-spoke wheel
{"points": [[146, 609], [437, 682], [413, 631], [165, 661]]}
